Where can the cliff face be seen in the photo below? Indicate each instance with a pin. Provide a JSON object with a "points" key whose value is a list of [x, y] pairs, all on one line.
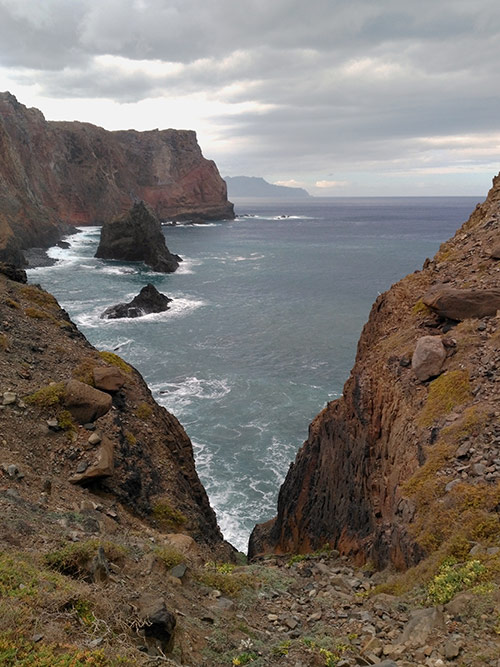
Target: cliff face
{"points": [[54, 174], [384, 462], [87, 420]]}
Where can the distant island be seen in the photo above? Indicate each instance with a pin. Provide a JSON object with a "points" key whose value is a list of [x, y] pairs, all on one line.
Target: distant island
{"points": [[254, 186]]}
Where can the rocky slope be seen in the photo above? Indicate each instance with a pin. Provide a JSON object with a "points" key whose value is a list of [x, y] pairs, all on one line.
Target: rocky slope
{"points": [[54, 174], [406, 464]]}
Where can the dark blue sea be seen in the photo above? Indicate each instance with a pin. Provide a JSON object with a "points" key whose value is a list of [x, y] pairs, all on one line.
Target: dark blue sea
{"points": [[263, 328]]}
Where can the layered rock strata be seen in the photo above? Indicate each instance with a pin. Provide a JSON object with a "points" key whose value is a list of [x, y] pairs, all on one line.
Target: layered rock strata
{"points": [[399, 450], [55, 174]]}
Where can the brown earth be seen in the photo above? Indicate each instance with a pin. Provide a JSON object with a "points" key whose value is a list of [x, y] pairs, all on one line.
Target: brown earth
{"points": [[55, 174]]}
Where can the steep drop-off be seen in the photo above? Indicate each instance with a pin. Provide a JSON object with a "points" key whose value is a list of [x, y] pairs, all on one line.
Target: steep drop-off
{"points": [[54, 174], [400, 467]]}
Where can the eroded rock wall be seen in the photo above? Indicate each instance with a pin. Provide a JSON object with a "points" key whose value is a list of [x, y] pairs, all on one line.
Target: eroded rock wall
{"points": [[348, 485], [54, 174]]}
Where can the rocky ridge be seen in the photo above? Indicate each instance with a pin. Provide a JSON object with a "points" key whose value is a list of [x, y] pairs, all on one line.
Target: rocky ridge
{"points": [[405, 466], [55, 174]]}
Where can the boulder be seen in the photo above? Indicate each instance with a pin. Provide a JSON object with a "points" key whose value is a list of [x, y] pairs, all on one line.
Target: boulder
{"points": [[461, 304], [428, 357], [159, 622], [149, 300], [137, 237], [108, 378], [495, 253], [422, 623], [85, 403], [13, 273], [103, 466]]}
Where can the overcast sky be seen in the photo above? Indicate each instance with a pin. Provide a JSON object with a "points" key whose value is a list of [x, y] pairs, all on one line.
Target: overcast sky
{"points": [[343, 97]]}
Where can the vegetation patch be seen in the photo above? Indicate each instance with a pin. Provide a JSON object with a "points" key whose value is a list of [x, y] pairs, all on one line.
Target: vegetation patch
{"points": [[84, 372], [66, 422], [115, 360], [12, 304], [446, 392], [169, 556], [19, 652], [224, 577], [48, 396], [167, 516], [421, 310], [38, 296], [452, 578], [74, 557], [143, 411]]}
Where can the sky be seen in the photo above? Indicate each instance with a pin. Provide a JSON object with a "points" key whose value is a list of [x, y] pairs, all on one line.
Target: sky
{"points": [[342, 97]]}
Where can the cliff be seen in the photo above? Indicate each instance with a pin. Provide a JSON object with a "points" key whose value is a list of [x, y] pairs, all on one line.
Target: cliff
{"points": [[400, 468], [55, 174]]}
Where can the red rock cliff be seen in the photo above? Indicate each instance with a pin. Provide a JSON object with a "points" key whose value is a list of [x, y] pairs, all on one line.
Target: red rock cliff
{"points": [[57, 173], [383, 463]]}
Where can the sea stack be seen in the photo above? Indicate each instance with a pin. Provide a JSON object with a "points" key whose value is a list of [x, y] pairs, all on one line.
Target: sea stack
{"points": [[137, 237], [149, 300]]}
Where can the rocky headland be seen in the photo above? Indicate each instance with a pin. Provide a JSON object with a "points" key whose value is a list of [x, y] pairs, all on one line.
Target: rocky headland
{"points": [[54, 175]]}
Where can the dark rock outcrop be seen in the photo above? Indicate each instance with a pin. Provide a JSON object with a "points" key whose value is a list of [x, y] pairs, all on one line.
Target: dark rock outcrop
{"points": [[149, 300], [461, 304], [59, 174], [137, 237]]}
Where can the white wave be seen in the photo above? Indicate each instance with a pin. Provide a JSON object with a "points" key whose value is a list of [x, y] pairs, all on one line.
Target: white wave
{"points": [[118, 270], [204, 224], [187, 265], [253, 258], [176, 396]]}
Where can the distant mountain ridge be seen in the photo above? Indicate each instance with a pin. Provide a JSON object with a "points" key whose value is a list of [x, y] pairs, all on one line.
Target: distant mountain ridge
{"points": [[255, 186]]}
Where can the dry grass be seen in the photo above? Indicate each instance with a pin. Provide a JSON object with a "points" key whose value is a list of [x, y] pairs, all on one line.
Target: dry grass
{"points": [[446, 392]]}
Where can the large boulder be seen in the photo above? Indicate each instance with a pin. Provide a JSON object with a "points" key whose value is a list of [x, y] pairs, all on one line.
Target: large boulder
{"points": [[428, 357], [103, 465], [137, 237], [108, 378], [461, 304], [85, 403], [149, 300]]}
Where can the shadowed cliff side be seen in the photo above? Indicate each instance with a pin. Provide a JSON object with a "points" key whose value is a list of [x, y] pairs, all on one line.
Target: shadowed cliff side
{"points": [[388, 470], [54, 174]]}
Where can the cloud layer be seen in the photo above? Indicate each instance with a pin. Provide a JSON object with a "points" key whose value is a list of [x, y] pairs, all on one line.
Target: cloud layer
{"points": [[324, 91]]}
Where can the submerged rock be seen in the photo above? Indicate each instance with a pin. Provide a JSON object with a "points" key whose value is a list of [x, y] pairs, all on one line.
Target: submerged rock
{"points": [[137, 237], [149, 300]]}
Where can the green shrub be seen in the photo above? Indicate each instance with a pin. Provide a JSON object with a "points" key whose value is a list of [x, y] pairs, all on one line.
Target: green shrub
{"points": [[18, 652], [49, 396], [169, 556], [452, 578], [143, 411], [167, 516], [245, 658], [115, 360], [73, 557], [445, 393]]}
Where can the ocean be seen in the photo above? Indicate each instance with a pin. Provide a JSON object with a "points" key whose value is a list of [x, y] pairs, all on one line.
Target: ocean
{"points": [[263, 327]]}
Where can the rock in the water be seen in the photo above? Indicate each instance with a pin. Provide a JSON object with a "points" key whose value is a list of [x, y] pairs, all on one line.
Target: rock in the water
{"points": [[85, 403], [103, 466], [428, 357], [137, 237], [108, 378], [460, 304], [149, 300]]}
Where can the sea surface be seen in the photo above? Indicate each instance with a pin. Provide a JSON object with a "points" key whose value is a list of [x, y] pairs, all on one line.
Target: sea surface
{"points": [[263, 328]]}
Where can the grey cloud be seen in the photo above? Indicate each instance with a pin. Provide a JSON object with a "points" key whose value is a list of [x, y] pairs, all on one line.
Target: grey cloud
{"points": [[348, 82]]}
